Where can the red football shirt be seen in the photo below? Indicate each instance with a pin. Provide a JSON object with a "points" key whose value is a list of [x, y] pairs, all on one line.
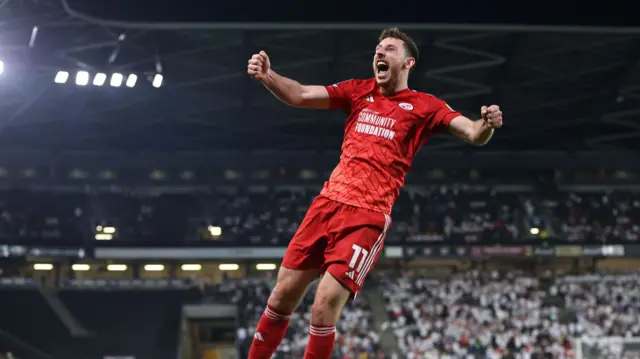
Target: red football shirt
{"points": [[382, 136]]}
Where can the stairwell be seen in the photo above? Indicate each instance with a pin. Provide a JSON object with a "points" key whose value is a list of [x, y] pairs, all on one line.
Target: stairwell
{"points": [[20, 348], [373, 295], [76, 329]]}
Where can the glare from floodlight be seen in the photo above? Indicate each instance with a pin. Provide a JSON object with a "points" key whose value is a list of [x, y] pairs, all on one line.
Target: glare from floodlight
{"points": [[99, 79], [82, 78], [131, 80], [1, 67], [116, 80], [157, 81], [61, 77]]}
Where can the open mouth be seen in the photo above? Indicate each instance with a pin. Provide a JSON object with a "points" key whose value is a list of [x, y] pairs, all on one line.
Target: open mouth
{"points": [[382, 67]]}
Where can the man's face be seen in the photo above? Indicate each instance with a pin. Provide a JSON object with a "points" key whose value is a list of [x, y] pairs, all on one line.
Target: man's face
{"points": [[390, 60]]}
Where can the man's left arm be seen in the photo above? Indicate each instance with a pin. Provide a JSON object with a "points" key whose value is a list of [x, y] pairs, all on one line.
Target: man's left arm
{"points": [[477, 132]]}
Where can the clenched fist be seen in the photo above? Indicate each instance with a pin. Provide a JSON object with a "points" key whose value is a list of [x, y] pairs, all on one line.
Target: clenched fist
{"points": [[492, 116], [259, 66]]}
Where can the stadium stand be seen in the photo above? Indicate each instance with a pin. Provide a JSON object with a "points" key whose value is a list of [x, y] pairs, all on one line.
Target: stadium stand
{"points": [[355, 333], [518, 315], [514, 314], [457, 213]]}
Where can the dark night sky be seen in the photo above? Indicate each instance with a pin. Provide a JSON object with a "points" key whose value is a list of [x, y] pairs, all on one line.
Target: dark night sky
{"points": [[558, 12]]}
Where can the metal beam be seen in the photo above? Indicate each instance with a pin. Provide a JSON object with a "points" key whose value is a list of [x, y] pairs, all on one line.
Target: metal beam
{"points": [[343, 26], [445, 74]]}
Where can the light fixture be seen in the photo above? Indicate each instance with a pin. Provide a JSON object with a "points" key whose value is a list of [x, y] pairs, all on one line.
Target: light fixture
{"points": [[157, 80], [228, 267], [131, 80], [191, 267], [103, 237], [43, 266], [265, 266], [80, 267], [116, 80], [215, 231], [154, 267], [61, 77], [99, 79], [117, 267], [82, 78]]}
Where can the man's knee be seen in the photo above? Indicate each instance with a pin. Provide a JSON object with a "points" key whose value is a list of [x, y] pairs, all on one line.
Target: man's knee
{"points": [[290, 287], [330, 298]]}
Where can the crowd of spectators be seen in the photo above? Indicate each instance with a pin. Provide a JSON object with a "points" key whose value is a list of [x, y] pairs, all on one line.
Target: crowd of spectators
{"points": [[455, 213], [355, 334], [595, 216], [482, 315]]}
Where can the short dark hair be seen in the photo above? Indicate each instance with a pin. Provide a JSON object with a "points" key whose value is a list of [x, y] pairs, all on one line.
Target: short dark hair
{"points": [[409, 44]]}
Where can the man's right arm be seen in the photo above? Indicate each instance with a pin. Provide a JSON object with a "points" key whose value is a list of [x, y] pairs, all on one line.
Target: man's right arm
{"points": [[295, 94]]}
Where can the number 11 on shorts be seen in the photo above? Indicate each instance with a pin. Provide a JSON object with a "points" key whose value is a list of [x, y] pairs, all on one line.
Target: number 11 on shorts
{"points": [[357, 258]]}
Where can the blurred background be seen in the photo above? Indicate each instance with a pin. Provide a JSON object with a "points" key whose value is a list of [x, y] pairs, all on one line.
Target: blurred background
{"points": [[148, 188]]}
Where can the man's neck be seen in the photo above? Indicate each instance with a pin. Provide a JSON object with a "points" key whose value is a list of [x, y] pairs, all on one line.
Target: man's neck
{"points": [[393, 88]]}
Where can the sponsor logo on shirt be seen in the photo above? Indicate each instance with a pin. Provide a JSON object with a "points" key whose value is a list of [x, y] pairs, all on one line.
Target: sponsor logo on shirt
{"points": [[371, 123], [406, 106]]}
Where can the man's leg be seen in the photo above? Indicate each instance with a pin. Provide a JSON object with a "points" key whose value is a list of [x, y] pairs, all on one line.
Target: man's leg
{"points": [[331, 297], [301, 265], [356, 243], [291, 286]]}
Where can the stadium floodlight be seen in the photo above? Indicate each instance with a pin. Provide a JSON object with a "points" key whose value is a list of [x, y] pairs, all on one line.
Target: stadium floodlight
{"points": [[61, 77], [157, 81], [43, 266], [131, 80], [191, 267], [116, 80], [1, 67], [80, 267], [82, 78], [99, 79]]}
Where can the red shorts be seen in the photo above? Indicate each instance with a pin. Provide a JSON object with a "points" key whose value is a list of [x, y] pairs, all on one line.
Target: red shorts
{"points": [[344, 240]]}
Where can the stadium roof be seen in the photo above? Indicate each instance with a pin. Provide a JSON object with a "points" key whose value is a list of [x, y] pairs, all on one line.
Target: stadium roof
{"points": [[560, 89]]}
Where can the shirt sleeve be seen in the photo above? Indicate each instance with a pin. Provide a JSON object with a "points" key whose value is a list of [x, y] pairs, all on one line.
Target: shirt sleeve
{"points": [[340, 94], [440, 115]]}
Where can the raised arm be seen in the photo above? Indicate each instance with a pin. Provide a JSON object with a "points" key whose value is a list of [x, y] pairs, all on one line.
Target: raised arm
{"points": [[477, 132], [287, 90]]}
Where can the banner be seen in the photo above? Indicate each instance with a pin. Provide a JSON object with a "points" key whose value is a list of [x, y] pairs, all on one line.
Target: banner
{"points": [[603, 251], [438, 251], [568, 251], [500, 251], [127, 283], [426, 238], [543, 251], [191, 253]]}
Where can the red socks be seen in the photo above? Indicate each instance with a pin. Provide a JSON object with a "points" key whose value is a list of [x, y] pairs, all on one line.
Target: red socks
{"points": [[273, 326], [269, 333], [321, 340]]}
